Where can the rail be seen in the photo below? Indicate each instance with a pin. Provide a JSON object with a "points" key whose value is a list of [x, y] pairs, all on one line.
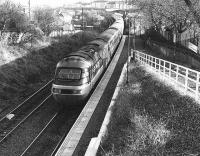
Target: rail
{"points": [[183, 77]]}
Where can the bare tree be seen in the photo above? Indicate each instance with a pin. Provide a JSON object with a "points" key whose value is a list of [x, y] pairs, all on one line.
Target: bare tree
{"points": [[45, 19], [195, 11], [12, 17], [161, 13], [193, 6]]}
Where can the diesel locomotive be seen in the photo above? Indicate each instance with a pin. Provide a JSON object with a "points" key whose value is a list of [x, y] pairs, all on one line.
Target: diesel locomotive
{"points": [[77, 73]]}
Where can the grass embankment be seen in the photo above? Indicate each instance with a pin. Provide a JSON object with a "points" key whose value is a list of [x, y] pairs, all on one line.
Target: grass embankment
{"points": [[150, 118], [25, 75]]}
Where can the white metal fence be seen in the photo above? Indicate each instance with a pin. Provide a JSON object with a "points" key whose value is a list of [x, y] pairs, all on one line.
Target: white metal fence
{"points": [[183, 77]]}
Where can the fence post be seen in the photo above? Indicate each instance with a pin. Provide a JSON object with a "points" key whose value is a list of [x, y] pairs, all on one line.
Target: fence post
{"points": [[142, 59], [170, 65], [197, 87], [186, 81], [139, 56], [135, 56], [156, 65], [153, 62], [132, 54], [150, 61], [164, 67], [176, 78], [146, 59], [159, 65]]}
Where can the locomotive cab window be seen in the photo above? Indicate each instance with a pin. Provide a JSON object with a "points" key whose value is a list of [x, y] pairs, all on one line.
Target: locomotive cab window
{"points": [[68, 74]]}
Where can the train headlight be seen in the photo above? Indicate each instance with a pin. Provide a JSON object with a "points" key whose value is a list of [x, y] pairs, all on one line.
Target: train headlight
{"points": [[56, 90], [76, 91]]}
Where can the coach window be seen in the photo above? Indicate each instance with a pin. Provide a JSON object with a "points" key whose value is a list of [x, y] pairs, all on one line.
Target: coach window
{"points": [[99, 60], [109, 50], [91, 72]]}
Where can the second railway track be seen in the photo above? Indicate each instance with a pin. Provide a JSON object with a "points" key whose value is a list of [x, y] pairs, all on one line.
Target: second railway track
{"points": [[22, 111], [22, 134], [36, 127], [52, 135]]}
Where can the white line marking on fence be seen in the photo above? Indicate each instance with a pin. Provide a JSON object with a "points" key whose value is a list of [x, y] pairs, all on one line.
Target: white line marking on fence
{"points": [[182, 76]]}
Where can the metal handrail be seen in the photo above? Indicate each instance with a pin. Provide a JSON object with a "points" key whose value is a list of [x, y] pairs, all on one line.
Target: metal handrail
{"points": [[182, 76]]}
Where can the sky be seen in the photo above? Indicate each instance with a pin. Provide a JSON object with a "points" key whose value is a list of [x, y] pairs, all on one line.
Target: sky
{"points": [[51, 3]]}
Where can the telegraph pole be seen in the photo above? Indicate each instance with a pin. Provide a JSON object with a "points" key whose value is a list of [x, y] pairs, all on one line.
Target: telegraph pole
{"points": [[82, 19], [29, 9], [129, 20], [128, 45], [82, 24]]}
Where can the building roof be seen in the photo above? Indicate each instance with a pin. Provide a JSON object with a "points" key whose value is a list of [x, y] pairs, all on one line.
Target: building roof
{"points": [[103, 1]]}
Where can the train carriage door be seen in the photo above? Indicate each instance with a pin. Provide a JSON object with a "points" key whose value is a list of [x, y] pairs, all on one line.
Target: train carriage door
{"points": [[90, 75], [108, 54], [105, 57], [109, 50], [91, 71]]}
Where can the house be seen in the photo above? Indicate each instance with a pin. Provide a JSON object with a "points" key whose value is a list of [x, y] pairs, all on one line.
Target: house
{"points": [[101, 4], [116, 4]]}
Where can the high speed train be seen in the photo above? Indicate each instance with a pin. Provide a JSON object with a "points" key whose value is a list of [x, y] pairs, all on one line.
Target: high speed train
{"points": [[77, 73]]}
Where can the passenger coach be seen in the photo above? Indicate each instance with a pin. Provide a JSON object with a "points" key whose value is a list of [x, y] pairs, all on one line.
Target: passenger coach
{"points": [[77, 74]]}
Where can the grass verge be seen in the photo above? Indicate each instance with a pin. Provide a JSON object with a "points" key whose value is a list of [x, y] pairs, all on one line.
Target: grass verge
{"points": [[150, 118]]}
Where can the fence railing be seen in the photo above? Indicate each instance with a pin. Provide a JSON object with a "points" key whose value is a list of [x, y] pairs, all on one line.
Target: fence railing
{"points": [[183, 77]]}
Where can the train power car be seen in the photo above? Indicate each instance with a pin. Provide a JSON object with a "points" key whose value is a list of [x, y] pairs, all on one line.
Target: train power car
{"points": [[77, 74]]}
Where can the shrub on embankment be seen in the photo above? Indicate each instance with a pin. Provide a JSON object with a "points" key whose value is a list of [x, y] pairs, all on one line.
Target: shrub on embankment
{"points": [[150, 118], [23, 76]]}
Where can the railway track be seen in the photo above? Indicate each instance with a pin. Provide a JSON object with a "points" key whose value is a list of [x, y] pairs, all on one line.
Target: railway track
{"points": [[12, 120], [41, 133], [15, 123], [35, 125], [16, 119], [38, 95], [37, 128], [25, 131], [50, 138]]}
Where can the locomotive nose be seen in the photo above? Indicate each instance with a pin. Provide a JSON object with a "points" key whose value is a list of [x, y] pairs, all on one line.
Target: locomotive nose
{"points": [[69, 100]]}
